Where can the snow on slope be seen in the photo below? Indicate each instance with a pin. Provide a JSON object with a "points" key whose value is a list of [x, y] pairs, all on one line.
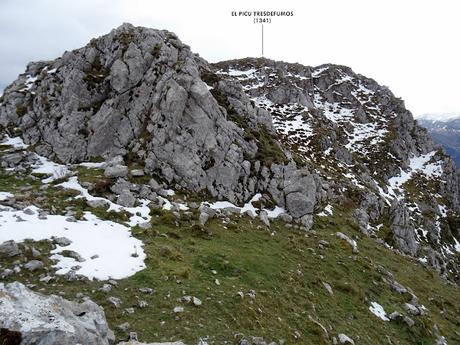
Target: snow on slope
{"points": [[293, 121], [140, 214], [378, 311], [119, 255], [419, 164], [248, 207]]}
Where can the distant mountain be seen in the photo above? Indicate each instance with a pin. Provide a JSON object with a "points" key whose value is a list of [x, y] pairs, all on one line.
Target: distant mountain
{"points": [[445, 132]]}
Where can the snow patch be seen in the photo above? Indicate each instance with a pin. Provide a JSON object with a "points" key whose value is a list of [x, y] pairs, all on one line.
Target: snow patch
{"points": [[418, 164], [119, 254], [378, 311], [93, 165], [328, 211], [15, 142], [219, 205], [5, 195], [47, 167], [140, 214]]}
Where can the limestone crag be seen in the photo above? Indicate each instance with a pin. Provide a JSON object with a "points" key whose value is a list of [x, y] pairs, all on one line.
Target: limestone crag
{"points": [[138, 93]]}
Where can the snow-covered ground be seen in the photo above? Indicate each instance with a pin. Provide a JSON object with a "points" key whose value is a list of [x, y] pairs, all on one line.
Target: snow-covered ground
{"points": [[119, 255]]}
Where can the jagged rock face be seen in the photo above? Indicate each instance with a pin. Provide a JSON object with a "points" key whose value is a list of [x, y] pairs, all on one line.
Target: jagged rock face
{"points": [[357, 136], [302, 136], [51, 320], [135, 92]]}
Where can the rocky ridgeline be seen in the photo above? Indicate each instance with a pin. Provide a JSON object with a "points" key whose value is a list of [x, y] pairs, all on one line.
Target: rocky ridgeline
{"points": [[303, 137], [362, 142]]}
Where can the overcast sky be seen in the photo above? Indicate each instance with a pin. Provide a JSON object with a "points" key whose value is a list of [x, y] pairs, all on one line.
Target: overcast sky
{"points": [[411, 46]]}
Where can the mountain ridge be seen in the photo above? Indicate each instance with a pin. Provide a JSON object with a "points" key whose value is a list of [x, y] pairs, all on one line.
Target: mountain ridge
{"points": [[125, 93], [243, 197]]}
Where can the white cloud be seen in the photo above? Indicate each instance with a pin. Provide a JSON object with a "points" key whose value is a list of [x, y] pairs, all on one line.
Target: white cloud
{"points": [[411, 47]]}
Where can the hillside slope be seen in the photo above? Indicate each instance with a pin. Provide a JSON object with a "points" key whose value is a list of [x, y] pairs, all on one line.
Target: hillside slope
{"points": [[294, 202]]}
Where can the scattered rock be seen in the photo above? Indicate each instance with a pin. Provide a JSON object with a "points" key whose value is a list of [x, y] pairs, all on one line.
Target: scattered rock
{"points": [[29, 212], [179, 310], [35, 252], [106, 288], [142, 304], [352, 243], [328, 288], [95, 203], [411, 309], [323, 243], [62, 241], [124, 327], [126, 199], [116, 171], [6, 273], [408, 321], [441, 341], [137, 173], [145, 225], [395, 316], [116, 302], [203, 218], [344, 339], [263, 215], [34, 265], [398, 287], [154, 185], [251, 294], [287, 218], [9, 249], [73, 254]]}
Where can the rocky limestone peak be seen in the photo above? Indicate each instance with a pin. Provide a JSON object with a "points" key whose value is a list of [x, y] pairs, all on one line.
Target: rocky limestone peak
{"points": [[303, 137], [139, 93]]}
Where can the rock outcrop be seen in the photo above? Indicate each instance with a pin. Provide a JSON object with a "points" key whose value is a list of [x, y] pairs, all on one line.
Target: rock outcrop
{"points": [[50, 320], [139, 93]]}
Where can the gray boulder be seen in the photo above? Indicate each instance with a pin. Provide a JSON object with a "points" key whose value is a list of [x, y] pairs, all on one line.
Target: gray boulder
{"points": [[203, 218], [345, 339], [263, 216], [116, 171], [95, 203], [126, 199], [34, 265], [9, 249], [137, 173], [51, 320]]}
